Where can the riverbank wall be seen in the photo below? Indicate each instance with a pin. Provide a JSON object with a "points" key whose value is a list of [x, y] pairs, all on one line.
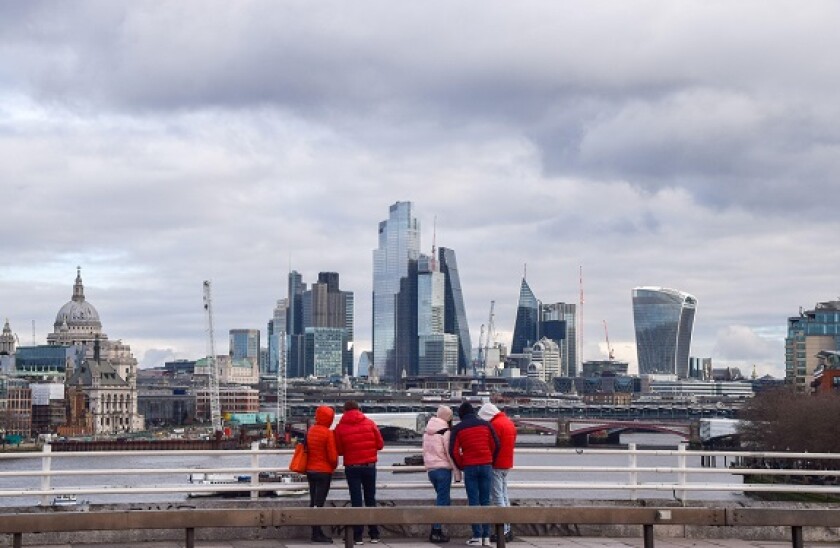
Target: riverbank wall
{"points": [[811, 534]]}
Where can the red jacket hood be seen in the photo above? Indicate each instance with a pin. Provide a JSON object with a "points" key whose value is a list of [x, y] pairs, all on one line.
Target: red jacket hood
{"points": [[354, 416], [324, 416]]}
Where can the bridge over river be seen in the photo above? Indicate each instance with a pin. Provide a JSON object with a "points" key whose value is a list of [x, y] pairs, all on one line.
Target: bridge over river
{"points": [[567, 431]]}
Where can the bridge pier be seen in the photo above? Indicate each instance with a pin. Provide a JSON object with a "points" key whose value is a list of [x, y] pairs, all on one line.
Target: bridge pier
{"points": [[564, 434], [694, 440]]}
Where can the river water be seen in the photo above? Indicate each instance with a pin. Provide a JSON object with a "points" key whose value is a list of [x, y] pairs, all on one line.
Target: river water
{"points": [[339, 492]]}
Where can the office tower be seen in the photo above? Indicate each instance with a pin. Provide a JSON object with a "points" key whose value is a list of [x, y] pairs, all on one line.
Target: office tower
{"points": [[277, 339], [395, 292], [294, 326], [809, 333], [245, 345], [455, 318], [544, 360], [558, 323], [664, 319], [437, 350], [526, 328], [328, 328]]}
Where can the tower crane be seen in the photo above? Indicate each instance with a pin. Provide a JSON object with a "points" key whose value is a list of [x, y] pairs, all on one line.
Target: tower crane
{"points": [[479, 362], [609, 348], [215, 407]]}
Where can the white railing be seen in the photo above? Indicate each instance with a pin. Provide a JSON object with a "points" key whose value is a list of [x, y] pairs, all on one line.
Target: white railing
{"points": [[630, 477]]}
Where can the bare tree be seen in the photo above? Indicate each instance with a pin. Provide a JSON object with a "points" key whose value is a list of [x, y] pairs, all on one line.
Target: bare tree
{"points": [[787, 420]]}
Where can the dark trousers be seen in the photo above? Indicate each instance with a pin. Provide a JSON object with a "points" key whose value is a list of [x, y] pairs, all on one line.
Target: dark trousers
{"points": [[319, 488], [361, 480]]}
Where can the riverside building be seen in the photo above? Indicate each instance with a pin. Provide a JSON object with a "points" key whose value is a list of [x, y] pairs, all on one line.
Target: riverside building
{"points": [[809, 333]]}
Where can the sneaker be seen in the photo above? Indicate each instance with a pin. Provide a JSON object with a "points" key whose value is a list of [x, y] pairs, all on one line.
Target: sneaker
{"points": [[486, 542], [508, 537], [359, 542], [475, 541], [438, 537], [374, 540]]}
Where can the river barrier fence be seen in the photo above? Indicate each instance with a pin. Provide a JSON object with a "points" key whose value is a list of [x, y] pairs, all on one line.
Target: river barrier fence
{"points": [[676, 482]]}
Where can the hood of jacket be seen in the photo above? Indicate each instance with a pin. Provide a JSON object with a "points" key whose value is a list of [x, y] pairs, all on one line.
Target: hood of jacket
{"points": [[354, 416], [435, 425], [488, 411], [324, 416]]}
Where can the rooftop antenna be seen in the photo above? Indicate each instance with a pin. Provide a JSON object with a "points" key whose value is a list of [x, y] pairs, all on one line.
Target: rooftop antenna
{"points": [[34, 341], [580, 318], [434, 241]]}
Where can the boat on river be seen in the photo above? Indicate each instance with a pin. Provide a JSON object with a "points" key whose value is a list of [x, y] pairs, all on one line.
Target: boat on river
{"points": [[286, 478]]}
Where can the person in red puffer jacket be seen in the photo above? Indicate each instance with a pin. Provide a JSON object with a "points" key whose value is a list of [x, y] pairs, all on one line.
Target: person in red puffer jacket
{"points": [[358, 441], [322, 459], [506, 431], [474, 446]]}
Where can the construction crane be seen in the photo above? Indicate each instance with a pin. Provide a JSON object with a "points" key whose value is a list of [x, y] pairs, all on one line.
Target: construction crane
{"points": [[480, 360], [609, 348], [215, 407]]}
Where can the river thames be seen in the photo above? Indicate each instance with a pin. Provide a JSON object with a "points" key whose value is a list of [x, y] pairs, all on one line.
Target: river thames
{"points": [[616, 458]]}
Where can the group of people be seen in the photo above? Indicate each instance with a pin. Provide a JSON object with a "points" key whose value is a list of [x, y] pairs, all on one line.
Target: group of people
{"points": [[478, 449]]}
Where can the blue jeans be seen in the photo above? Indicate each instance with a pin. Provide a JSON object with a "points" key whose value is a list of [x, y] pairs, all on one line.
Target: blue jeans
{"points": [[441, 479], [361, 480], [477, 481], [500, 491]]}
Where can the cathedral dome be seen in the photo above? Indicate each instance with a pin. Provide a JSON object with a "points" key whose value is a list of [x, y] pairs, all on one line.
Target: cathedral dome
{"points": [[78, 314]]}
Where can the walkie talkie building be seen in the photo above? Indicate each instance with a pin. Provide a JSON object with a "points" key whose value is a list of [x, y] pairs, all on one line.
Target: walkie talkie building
{"points": [[664, 319]]}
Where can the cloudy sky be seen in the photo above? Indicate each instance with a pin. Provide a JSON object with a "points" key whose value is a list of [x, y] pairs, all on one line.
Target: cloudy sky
{"points": [[693, 145]]}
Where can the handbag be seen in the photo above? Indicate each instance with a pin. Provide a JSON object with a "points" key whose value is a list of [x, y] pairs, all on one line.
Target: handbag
{"points": [[299, 458]]}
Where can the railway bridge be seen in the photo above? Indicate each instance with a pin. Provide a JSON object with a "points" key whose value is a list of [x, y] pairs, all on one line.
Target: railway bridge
{"points": [[577, 431]]}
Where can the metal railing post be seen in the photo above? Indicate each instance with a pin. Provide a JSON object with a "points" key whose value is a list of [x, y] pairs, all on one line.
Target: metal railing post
{"points": [[648, 533], [255, 463], [682, 476], [633, 477], [796, 536], [500, 535], [189, 541], [46, 479]]}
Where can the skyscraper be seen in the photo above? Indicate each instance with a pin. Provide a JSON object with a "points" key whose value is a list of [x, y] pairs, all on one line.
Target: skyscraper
{"points": [[455, 318], [328, 327], [526, 329], [437, 351], [555, 321], [294, 325], [277, 339], [664, 319], [395, 292]]}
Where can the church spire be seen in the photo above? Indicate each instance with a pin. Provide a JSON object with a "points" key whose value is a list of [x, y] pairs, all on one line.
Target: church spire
{"points": [[78, 288]]}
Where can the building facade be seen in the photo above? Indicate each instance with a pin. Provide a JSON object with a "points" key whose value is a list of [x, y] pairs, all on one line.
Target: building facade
{"points": [[455, 314], [663, 319], [77, 324], [245, 345], [555, 321], [398, 250], [809, 333]]}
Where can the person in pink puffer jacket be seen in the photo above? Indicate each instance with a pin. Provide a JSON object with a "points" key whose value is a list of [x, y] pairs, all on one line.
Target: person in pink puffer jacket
{"points": [[438, 463]]}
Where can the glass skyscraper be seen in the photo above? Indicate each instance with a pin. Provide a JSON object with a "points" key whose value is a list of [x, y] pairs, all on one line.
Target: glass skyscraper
{"points": [[398, 251], [664, 319], [455, 317], [526, 329]]}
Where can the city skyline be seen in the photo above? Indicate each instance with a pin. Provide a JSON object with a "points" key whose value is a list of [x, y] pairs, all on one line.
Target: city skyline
{"points": [[643, 142]]}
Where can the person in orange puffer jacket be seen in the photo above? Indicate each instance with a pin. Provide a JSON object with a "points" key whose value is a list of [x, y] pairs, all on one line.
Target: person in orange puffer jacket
{"points": [[322, 459]]}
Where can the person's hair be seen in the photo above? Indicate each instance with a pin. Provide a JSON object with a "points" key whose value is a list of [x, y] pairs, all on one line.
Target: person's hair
{"points": [[350, 405]]}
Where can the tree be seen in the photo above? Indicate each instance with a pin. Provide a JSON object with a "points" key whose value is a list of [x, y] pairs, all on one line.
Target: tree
{"points": [[787, 420]]}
